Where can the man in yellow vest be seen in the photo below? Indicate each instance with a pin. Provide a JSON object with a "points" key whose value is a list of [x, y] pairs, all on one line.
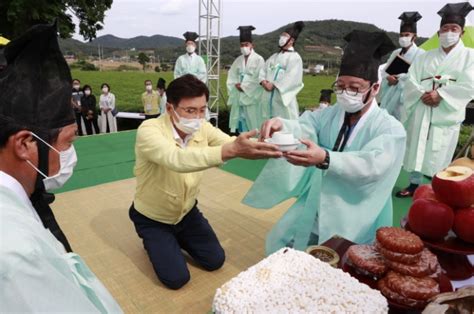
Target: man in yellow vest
{"points": [[150, 101]]}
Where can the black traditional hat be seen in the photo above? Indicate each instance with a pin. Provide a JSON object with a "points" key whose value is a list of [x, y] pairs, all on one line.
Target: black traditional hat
{"points": [[295, 30], [36, 83], [409, 20], [35, 92], [326, 95], [455, 13], [246, 33], [363, 54], [190, 36], [161, 83]]}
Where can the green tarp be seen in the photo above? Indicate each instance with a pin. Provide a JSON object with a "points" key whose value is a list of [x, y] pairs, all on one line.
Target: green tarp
{"points": [[468, 39]]}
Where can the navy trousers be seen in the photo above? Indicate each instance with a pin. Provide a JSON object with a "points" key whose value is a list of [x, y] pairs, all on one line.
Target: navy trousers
{"points": [[164, 243]]}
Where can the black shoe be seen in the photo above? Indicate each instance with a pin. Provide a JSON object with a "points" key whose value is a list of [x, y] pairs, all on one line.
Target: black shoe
{"points": [[407, 192]]}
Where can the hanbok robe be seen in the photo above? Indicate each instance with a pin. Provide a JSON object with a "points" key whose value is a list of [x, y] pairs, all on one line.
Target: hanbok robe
{"points": [[352, 198], [392, 96], [37, 275], [285, 70], [432, 133], [190, 64], [246, 110]]}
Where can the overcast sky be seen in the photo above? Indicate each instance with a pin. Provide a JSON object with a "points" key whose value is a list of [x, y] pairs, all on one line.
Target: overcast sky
{"points": [[130, 18]]}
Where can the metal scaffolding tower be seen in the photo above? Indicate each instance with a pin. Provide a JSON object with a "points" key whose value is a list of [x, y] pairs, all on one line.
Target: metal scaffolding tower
{"points": [[210, 50]]}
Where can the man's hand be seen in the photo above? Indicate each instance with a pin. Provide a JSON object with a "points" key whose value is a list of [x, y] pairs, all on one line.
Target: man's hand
{"points": [[267, 85], [392, 80], [431, 99], [246, 148], [269, 127], [313, 156], [239, 88]]}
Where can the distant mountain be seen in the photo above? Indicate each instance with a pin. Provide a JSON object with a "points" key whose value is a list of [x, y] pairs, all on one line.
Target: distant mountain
{"points": [[326, 33], [322, 36], [75, 47], [139, 42]]}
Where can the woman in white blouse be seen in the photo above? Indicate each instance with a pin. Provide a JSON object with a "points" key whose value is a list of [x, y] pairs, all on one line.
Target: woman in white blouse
{"points": [[108, 122]]}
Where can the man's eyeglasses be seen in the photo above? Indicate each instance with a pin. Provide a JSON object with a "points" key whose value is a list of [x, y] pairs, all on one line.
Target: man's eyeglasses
{"points": [[194, 111], [351, 91]]}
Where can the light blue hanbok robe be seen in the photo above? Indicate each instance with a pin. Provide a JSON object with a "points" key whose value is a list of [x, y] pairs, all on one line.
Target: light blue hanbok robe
{"points": [[36, 273], [392, 96], [352, 198], [285, 71], [246, 109], [190, 64]]}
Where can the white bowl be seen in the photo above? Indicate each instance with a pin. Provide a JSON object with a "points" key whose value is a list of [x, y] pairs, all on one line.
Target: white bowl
{"points": [[284, 147], [283, 138]]}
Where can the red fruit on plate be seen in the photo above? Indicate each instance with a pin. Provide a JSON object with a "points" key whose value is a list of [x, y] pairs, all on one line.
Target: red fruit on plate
{"points": [[430, 219], [464, 224], [454, 186], [424, 191]]}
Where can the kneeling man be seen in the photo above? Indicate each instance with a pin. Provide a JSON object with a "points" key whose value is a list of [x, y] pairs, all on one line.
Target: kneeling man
{"points": [[171, 154]]}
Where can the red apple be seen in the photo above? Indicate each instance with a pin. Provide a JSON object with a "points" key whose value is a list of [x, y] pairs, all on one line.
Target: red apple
{"points": [[424, 191], [464, 224], [454, 186], [430, 219]]}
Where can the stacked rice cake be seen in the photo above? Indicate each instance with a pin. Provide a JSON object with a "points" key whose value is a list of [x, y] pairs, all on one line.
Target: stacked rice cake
{"points": [[414, 270], [293, 281]]}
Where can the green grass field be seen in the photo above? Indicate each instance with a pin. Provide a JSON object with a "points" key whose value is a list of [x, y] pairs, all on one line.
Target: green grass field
{"points": [[128, 86]]}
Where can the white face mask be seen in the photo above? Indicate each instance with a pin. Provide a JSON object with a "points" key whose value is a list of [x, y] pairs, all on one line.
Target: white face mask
{"points": [[405, 41], [87, 92], [245, 50], [188, 126], [105, 90], [76, 86], [350, 103], [148, 87], [448, 39], [323, 105], [190, 48], [67, 162], [282, 41]]}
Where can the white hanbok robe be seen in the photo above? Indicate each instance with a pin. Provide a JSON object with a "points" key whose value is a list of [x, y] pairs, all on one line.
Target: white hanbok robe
{"points": [[392, 96], [352, 198], [190, 64], [285, 71], [37, 275], [432, 133], [245, 106]]}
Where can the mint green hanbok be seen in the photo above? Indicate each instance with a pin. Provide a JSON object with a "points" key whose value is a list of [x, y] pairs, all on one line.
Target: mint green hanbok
{"points": [[352, 198], [246, 109]]}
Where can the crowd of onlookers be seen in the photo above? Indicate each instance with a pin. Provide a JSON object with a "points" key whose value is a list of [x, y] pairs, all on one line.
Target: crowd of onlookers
{"points": [[93, 118]]}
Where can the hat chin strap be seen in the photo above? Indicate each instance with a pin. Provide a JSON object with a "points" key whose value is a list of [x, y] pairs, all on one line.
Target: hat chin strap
{"points": [[41, 199], [281, 47]]}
